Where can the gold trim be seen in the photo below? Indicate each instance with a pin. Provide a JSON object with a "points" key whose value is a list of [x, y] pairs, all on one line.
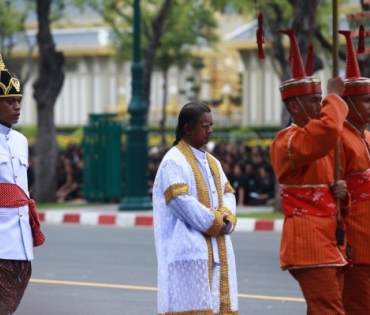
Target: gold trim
{"points": [[358, 82], [228, 189], [307, 81], [2, 64], [10, 95], [13, 82], [217, 224], [210, 259], [216, 173], [201, 185], [16, 84], [175, 190], [231, 217], [225, 301]]}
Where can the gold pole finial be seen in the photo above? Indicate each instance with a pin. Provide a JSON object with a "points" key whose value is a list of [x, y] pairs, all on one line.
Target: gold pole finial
{"points": [[2, 65]]}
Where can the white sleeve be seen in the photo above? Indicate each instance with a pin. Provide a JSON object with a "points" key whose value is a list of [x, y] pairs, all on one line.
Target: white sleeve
{"points": [[175, 185]]}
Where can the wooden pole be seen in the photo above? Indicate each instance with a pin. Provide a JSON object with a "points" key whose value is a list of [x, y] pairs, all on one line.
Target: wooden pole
{"points": [[336, 73]]}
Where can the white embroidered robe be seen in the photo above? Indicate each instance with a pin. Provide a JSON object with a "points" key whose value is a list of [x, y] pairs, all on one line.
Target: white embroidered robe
{"points": [[196, 266]]}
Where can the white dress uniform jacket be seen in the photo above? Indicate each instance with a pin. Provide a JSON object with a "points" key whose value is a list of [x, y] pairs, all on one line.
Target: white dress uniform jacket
{"points": [[15, 231]]}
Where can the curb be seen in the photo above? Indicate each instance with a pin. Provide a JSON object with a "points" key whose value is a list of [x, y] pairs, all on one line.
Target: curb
{"points": [[135, 219]]}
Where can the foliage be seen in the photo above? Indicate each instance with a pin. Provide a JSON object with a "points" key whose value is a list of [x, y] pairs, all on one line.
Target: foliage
{"points": [[187, 24], [11, 21], [196, 25]]}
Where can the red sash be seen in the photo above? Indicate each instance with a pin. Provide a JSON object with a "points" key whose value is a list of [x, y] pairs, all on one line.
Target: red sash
{"points": [[13, 196], [358, 186], [307, 200]]}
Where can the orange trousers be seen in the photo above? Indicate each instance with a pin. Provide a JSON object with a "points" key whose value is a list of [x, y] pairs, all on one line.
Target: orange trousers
{"points": [[356, 290], [322, 288]]}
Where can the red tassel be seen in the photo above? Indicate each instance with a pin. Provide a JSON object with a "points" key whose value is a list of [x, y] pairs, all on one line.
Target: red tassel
{"points": [[260, 36], [361, 40], [309, 62], [260, 26]]}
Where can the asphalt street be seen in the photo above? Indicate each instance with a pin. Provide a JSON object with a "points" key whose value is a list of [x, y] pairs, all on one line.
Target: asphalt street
{"points": [[91, 270]]}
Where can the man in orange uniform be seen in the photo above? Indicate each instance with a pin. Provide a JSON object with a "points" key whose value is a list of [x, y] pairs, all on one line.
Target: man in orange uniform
{"points": [[302, 159], [355, 165]]}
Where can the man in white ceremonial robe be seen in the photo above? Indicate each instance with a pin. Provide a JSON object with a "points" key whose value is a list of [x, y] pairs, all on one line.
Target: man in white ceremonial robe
{"points": [[194, 213]]}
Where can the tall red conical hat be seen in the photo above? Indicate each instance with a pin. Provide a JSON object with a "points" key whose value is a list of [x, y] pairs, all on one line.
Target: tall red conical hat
{"points": [[300, 84], [354, 84]]}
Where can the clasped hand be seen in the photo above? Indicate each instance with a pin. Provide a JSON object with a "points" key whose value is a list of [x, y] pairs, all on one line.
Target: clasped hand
{"points": [[225, 227]]}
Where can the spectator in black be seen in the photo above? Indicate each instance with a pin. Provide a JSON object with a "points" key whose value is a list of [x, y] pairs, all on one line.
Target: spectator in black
{"points": [[69, 190], [238, 182], [264, 187], [256, 157], [249, 183]]}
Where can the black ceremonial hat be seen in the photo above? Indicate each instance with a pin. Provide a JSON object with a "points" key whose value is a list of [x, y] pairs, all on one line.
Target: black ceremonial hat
{"points": [[9, 84]]}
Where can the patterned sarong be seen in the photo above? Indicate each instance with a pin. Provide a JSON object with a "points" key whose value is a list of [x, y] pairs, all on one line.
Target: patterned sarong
{"points": [[14, 277]]}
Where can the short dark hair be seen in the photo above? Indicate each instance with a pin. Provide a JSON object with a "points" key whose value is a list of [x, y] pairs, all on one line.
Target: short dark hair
{"points": [[189, 115]]}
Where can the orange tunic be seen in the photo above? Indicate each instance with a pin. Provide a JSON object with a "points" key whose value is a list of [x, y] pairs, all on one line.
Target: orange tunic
{"points": [[301, 157], [355, 159]]}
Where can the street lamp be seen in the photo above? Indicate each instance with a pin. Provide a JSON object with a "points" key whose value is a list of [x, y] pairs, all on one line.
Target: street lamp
{"points": [[136, 197]]}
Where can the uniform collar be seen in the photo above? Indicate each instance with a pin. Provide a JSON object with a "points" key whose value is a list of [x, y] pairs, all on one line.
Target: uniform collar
{"points": [[4, 130], [198, 153]]}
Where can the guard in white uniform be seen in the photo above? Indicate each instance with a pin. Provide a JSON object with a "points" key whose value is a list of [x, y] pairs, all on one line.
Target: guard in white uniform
{"points": [[194, 213], [16, 241]]}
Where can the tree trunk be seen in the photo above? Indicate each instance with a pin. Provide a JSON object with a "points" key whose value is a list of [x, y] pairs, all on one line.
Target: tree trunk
{"points": [[46, 90], [154, 42], [164, 116], [303, 24]]}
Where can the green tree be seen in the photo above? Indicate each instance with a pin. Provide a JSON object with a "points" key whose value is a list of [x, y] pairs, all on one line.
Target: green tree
{"points": [[196, 25], [118, 15], [175, 25], [13, 15]]}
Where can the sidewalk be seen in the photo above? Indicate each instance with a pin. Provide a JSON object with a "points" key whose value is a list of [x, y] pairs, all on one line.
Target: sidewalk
{"points": [[110, 215]]}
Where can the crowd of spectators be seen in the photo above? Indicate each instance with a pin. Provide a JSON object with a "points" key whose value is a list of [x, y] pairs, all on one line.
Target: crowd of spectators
{"points": [[69, 173], [248, 170]]}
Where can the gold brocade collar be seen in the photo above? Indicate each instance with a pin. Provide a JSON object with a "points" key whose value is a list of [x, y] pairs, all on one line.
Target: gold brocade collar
{"points": [[201, 185]]}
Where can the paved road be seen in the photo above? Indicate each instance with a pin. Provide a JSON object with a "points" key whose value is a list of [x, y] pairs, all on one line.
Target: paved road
{"points": [[84, 270]]}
